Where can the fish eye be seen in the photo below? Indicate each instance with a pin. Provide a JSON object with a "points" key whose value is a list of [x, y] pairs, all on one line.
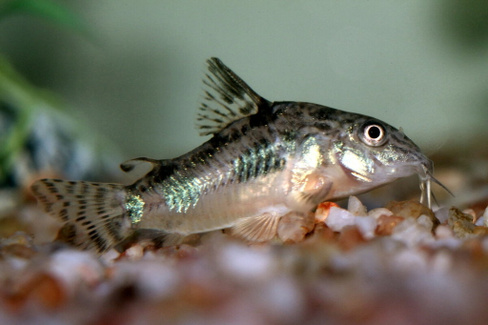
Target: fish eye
{"points": [[373, 134]]}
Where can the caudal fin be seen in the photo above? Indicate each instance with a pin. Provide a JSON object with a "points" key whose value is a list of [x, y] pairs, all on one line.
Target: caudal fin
{"points": [[94, 213]]}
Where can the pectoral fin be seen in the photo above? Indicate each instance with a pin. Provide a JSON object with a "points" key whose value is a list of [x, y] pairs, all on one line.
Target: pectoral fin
{"points": [[312, 189], [259, 229]]}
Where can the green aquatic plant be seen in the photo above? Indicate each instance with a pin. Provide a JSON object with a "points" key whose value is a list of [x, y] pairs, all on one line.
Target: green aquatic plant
{"points": [[47, 10], [37, 133]]}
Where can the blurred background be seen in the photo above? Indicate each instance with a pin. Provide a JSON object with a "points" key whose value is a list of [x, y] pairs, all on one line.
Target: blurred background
{"points": [[133, 72], [85, 85]]}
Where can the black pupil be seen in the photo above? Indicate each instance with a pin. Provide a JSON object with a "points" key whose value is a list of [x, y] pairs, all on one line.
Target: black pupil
{"points": [[374, 132]]}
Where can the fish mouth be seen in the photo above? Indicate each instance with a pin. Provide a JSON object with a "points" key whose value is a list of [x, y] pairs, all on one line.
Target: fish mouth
{"points": [[426, 178]]}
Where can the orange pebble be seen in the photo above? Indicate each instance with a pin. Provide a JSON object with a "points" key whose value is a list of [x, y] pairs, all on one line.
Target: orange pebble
{"points": [[323, 210]]}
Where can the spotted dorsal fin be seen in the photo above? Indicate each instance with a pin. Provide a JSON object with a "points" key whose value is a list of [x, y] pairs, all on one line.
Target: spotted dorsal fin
{"points": [[227, 98]]}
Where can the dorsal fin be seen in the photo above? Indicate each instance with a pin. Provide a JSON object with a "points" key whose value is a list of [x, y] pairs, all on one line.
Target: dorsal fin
{"points": [[227, 99]]}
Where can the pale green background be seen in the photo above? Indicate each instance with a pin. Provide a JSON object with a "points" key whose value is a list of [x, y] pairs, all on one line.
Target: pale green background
{"points": [[421, 65]]}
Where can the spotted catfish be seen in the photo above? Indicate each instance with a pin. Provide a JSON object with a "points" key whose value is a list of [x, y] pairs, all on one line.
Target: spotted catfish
{"points": [[264, 160]]}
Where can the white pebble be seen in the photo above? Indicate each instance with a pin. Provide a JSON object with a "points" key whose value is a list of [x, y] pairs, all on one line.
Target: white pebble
{"points": [[481, 221], [442, 262], [443, 231], [412, 233], [73, 266], [245, 262], [355, 206], [283, 300], [442, 214], [153, 280], [378, 212], [412, 260], [484, 218], [425, 221], [366, 226], [135, 252], [339, 218], [109, 257]]}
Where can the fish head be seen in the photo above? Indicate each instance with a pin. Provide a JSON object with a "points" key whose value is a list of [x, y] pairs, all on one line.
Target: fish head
{"points": [[375, 153]]}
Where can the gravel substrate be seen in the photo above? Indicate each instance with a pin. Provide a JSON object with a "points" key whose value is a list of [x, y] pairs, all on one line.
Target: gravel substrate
{"points": [[398, 264]]}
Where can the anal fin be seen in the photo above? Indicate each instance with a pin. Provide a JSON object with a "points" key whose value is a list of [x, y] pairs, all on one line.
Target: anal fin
{"points": [[156, 237], [260, 228]]}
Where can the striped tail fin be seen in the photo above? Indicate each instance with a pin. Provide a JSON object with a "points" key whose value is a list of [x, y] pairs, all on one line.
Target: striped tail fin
{"points": [[94, 213]]}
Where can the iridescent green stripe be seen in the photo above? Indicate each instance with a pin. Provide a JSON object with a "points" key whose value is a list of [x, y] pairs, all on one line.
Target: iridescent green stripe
{"points": [[134, 205]]}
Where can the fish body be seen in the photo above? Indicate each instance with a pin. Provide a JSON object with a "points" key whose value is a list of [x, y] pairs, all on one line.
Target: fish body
{"points": [[264, 160]]}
